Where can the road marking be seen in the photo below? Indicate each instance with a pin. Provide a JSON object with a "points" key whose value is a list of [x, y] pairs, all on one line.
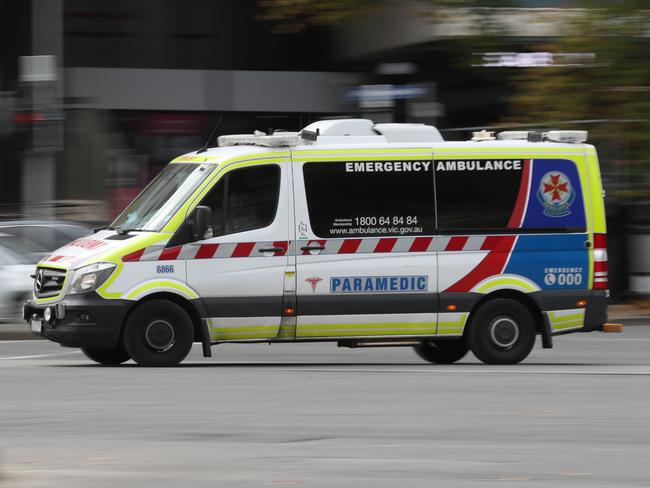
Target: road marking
{"points": [[478, 370], [41, 355], [13, 342], [617, 339]]}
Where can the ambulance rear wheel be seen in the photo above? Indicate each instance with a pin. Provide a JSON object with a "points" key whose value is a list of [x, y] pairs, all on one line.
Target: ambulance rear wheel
{"points": [[158, 333], [108, 357], [442, 352], [502, 331]]}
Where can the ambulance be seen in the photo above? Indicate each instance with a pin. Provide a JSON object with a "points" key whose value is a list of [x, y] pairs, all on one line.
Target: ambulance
{"points": [[357, 233]]}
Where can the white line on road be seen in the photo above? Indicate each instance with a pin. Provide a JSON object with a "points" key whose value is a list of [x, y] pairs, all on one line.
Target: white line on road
{"points": [[615, 339], [25, 340], [42, 355], [477, 370]]}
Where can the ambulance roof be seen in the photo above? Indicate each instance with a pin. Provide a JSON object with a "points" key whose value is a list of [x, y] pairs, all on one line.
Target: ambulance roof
{"points": [[359, 134]]}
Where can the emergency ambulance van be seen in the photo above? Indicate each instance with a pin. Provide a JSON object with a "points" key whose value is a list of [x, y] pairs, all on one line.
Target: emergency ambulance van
{"points": [[352, 232]]}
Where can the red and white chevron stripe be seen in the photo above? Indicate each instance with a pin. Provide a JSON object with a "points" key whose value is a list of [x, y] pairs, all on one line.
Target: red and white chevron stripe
{"points": [[208, 251], [330, 246]]}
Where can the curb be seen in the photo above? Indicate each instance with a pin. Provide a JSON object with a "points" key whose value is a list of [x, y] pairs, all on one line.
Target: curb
{"points": [[19, 336], [635, 320], [15, 332]]}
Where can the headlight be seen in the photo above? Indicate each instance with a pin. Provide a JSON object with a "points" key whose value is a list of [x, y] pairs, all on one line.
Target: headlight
{"points": [[90, 277]]}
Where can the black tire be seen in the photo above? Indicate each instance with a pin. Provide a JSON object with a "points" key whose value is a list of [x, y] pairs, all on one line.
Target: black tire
{"points": [[502, 331], [108, 357], [158, 333], [446, 351]]}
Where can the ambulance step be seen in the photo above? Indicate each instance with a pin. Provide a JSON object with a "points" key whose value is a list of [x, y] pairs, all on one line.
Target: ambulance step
{"points": [[394, 343]]}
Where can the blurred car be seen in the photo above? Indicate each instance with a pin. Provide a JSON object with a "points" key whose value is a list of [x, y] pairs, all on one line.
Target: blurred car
{"points": [[16, 266], [41, 237]]}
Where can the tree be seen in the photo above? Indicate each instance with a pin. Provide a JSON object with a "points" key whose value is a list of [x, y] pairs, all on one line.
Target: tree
{"points": [[614, 88], [296, 15]]}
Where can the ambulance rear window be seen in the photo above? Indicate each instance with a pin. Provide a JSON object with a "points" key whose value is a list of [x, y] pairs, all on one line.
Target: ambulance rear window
{"points": [[370, 198], [492, 195]]}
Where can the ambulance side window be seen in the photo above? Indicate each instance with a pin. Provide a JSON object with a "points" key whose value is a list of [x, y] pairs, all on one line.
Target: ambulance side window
{"points": [[480, 195], [244, 199], [370, 198]]}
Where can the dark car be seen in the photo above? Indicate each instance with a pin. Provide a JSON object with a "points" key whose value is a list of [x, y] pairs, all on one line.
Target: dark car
{"points": [[41, 237]]}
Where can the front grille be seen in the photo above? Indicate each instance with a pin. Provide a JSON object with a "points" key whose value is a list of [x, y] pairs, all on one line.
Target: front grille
{"points": [[48, 282]]}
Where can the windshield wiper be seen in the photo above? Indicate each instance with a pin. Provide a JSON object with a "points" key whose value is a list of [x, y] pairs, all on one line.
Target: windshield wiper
{"points": [[124, 232]]}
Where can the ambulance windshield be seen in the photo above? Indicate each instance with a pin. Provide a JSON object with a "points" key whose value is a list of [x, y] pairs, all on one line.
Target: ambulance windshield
{"points": [[159, 201]]}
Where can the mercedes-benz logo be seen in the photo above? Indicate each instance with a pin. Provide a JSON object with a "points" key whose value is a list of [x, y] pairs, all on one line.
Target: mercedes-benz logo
{"points": [[40, 278]]}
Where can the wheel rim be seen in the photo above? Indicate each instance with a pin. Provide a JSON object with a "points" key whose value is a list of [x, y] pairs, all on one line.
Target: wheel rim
{"points": [[160, 335], [504, 332]]}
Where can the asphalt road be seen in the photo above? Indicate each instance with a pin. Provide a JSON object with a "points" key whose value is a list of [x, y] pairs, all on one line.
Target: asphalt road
{"points": [[313, 415]]}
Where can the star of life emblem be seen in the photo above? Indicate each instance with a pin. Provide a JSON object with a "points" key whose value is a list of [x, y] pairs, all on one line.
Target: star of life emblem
{"points": [[556, 194], [313, 281]]}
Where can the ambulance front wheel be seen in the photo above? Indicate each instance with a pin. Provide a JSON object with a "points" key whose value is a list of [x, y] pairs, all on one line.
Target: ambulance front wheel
{"points": [[445, 351], [502, 331], [158, 333]]}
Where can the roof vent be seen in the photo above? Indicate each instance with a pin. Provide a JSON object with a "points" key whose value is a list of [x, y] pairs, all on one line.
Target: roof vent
{"points": [[360, 131], [343, 127], [409, 133]]}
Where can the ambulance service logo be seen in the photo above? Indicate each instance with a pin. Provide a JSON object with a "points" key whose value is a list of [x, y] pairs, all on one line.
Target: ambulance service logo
{"points": [[313, 281], [556, 194]]}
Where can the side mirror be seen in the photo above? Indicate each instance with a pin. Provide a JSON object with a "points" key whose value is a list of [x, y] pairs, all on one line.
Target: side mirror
{"points": [[201, 222]]}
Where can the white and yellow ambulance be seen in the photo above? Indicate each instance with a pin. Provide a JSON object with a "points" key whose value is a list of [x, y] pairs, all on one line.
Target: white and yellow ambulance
{"points": [[358, 233]]}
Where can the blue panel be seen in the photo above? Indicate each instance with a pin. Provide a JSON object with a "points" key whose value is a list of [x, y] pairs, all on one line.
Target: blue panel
{"points": [[555, 199], [553, 261]]}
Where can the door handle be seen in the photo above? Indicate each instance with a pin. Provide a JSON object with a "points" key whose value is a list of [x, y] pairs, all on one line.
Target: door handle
{"points": [[272, 249], [312, 248]]}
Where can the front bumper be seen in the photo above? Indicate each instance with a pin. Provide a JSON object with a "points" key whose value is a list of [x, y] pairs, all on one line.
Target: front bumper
{"points": [[86, 320]]}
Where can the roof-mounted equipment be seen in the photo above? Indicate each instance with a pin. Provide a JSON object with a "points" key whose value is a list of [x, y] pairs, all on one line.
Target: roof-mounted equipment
{"points": [[563, 136], [309, 135], [482, 135], [277, 139], [364, 131], [339, 131]]}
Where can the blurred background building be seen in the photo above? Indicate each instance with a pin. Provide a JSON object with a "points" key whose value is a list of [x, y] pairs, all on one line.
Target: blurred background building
{"points": [[96, 96]]}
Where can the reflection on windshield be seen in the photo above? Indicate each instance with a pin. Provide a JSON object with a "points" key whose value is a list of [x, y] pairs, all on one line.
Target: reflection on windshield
{"points": [[159, 201]]}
